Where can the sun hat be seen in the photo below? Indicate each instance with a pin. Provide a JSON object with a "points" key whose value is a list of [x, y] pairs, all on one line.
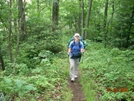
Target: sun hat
{"points": [[77, 34]]}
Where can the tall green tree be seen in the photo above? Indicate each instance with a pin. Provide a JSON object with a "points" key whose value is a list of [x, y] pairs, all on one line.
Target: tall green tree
{"points": [[10, 31], [55, 14], [105, 22], [87, 19], [124, 28], [21, 26], [21, 17], [81, 17], [2, 66]]}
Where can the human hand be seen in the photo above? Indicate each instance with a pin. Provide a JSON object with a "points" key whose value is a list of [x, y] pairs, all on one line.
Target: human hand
{"points": [[82, 50]]}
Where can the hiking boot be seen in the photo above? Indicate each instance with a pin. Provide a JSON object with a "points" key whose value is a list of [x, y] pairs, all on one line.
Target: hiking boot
{"points": [[76, 77], [72, 79]]}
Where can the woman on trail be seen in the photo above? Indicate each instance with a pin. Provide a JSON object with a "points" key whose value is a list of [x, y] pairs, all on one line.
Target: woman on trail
{"points": [[76, 48]]}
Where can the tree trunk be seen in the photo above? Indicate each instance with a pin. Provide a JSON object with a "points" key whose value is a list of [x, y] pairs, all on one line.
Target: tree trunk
{"points": [[19, 30], [130, 28], [121, 42], [17, 44], [112, 11], [112, 15], [38, 8], [79, 19], [20, 10], [87, 19], [1, 61], [23, 21], [105, 22], [21, 17], [10, 32], [55, 14], [82, 18]]}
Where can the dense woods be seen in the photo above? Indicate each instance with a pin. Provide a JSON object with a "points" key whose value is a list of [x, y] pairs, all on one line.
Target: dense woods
{"points": [[33, 43]]}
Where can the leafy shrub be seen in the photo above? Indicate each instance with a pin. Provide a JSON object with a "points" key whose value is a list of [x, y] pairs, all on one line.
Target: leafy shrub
{"points": [[16, 87], [41, 82], [110, 68], [54, 46]]}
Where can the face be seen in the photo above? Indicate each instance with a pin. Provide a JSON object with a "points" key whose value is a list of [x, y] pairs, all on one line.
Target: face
{"points": [[76, 38]]}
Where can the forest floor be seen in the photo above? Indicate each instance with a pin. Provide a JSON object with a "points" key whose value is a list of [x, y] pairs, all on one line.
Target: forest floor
{"points": [[76, 88]]}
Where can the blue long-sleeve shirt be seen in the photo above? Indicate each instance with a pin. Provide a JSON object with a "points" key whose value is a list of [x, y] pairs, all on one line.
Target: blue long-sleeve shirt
{"points": [[75, 47]]}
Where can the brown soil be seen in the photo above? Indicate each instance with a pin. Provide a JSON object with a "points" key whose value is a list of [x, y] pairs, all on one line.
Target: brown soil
{"points": [[76, 90]]}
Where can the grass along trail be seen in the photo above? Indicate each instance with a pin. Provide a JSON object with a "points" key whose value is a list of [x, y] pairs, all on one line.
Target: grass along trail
{"points": [[80, 86], [102, 73], [75, 92], [107, 68]]}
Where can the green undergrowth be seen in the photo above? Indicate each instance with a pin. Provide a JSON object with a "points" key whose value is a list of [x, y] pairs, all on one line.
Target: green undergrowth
{"points": [[108, 72], [42, 75], [47, 80], [38, 75]]}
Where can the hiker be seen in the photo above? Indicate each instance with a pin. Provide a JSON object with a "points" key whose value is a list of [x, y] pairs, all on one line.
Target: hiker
{"points": [[76, 48]]}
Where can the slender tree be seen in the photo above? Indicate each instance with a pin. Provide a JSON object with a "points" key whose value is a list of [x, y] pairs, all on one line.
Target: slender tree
{"points": [[87, 19], [130, 28], [10, 31], [21, 17], [112, 15], [105, 22], [55, 14], [2, 66], [20, 28], [82, 17], [38, 5], [79, 19], [112, 11]]}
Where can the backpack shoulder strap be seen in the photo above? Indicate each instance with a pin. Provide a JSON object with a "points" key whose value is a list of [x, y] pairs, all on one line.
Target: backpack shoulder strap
{"points": [[71, 43], [80, 43]]}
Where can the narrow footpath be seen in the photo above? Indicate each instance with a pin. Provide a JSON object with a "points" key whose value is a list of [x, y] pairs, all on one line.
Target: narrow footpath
{"points": [[76, 90]]}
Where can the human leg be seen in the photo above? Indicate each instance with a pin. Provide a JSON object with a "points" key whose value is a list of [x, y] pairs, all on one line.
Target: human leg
{"points": [[72, 68], [76, 67]]}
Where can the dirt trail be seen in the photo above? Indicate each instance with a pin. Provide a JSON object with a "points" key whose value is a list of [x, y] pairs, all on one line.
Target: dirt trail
{"points": [[76, 90]]}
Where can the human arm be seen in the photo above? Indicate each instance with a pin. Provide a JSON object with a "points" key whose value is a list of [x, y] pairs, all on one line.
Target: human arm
{"points": [[69, 50], [82, 50]]}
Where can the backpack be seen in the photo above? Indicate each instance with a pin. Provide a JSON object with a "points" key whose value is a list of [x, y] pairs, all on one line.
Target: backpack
{"points": [[81, 39], [84, 43], [75, 56]]}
